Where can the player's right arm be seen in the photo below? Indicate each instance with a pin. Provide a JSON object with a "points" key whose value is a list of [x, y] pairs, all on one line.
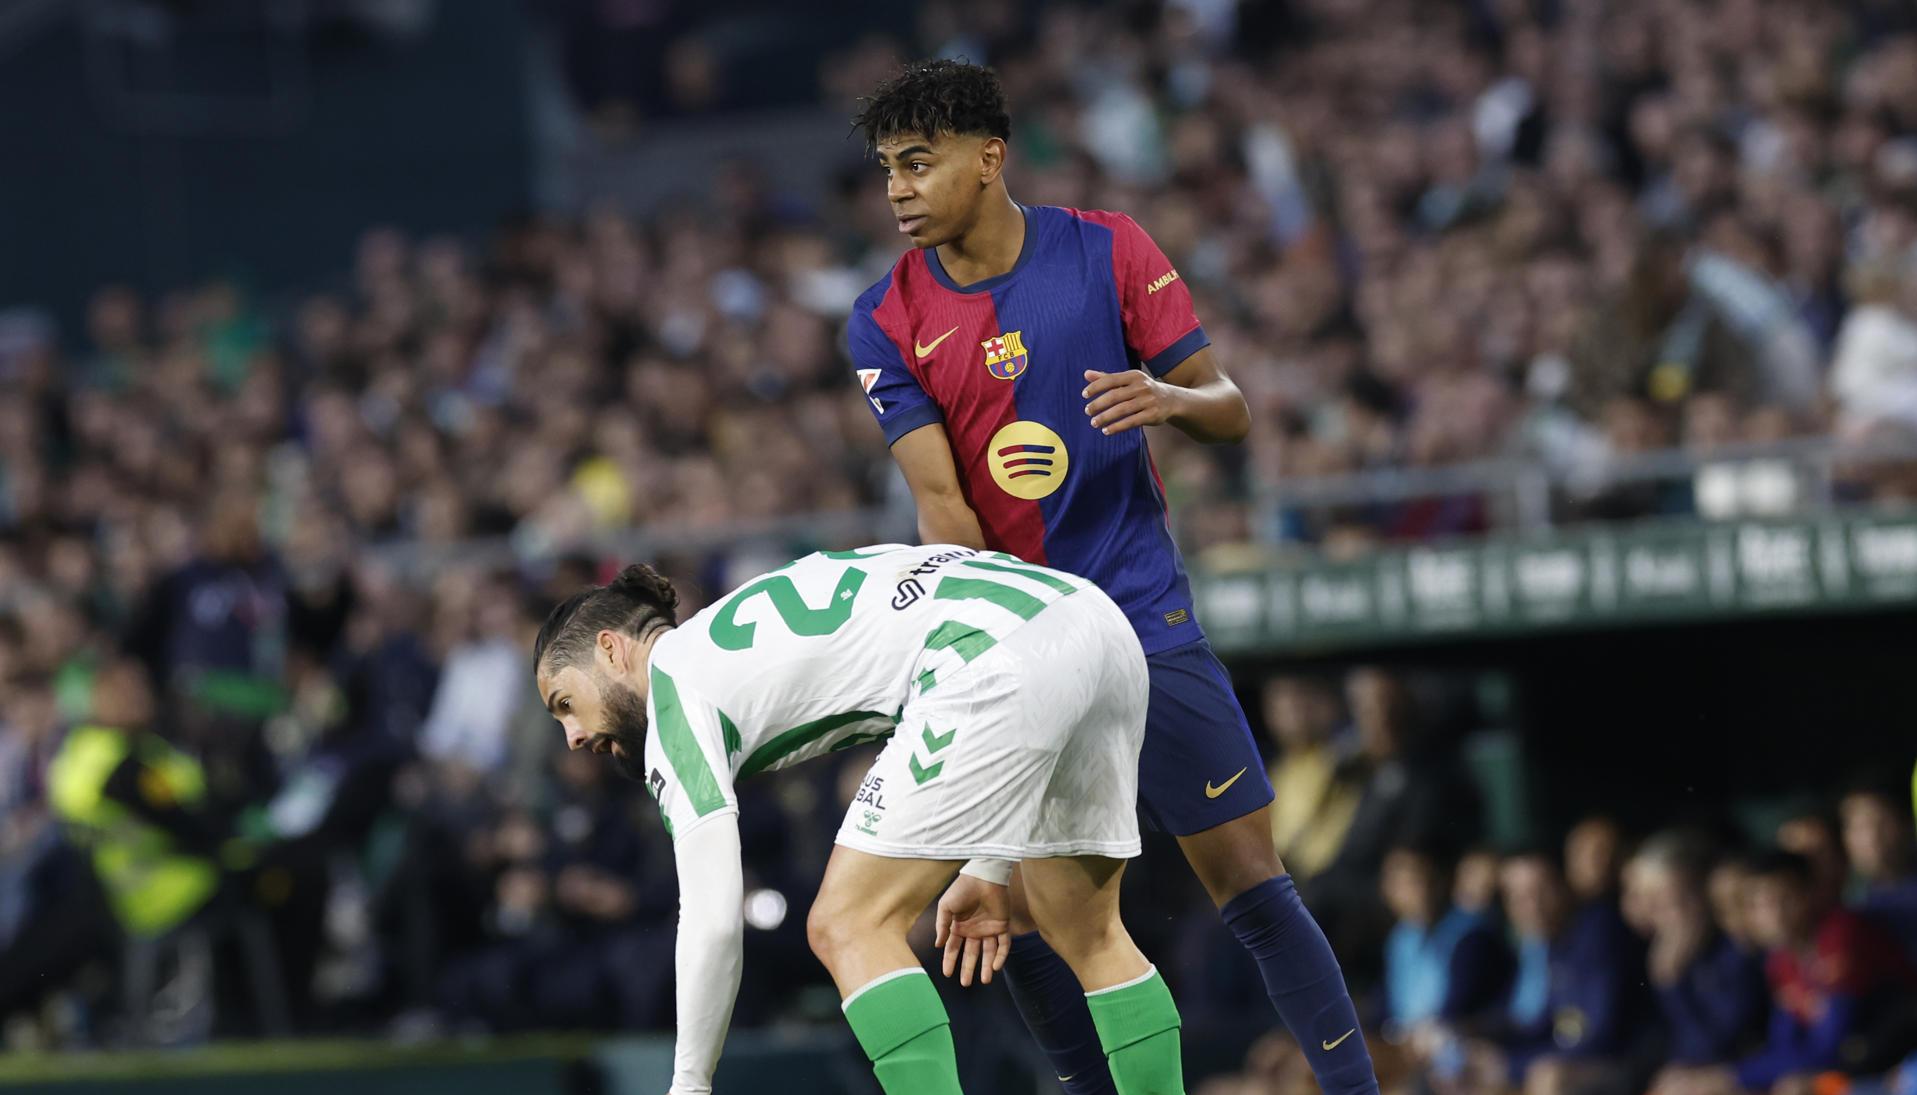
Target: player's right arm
{"points": [[945, 517], [708, 955], [688, 774], [913, 426]]}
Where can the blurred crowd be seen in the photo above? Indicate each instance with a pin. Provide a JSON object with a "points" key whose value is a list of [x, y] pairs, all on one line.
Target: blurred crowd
{"points": [[1693, 960], [314, 778]]}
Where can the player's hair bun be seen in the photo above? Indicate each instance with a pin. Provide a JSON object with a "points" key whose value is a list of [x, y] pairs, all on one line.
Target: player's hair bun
{"points": [[646, 584]]}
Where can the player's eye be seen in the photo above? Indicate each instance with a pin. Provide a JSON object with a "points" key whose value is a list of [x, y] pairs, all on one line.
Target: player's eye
{"points": [[566, 706], [917, 165]]}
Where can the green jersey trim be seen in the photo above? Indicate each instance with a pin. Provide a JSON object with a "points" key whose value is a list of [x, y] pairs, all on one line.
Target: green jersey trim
{"points": [[682, 747], [966, 641], [1017, 601], [1036, 575], [787, 742]]}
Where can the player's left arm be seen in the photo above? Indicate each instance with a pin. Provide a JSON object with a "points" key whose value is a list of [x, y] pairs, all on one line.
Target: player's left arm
{"points": [[1196, 396], [1177, 379]]}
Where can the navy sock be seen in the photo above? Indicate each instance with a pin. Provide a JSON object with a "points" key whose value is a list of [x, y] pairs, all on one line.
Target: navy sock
{"points": [[1052, 1003], [1304, 981]]}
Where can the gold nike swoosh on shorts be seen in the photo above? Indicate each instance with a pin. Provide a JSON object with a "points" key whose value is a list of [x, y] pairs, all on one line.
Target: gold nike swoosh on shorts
{"points": [[1329, 1046], [1214, 792], [926, 351]]}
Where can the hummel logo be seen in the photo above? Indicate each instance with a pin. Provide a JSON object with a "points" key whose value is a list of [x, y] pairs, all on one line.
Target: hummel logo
{"points": [[926, 351]]}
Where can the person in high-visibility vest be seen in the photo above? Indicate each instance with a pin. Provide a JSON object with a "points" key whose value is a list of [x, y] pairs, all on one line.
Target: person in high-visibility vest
{"points": [[136, 804], [136, 811], [139, 807]]}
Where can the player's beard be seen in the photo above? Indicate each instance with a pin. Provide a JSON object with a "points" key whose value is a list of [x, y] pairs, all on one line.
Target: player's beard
{"points": [[625, 727]]}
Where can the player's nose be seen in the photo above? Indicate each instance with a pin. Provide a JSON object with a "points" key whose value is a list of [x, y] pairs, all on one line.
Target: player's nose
{"points": [[898, 187], [576, 737]]}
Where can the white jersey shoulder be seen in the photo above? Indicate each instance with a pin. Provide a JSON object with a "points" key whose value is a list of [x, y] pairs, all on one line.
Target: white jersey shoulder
{"points": [[821, 655]]}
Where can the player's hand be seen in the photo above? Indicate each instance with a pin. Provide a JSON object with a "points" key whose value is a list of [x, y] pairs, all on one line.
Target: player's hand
{"points": [[975, 923], [1127, 400]]}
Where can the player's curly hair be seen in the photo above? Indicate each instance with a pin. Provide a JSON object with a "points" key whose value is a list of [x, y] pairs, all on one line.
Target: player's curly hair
{"points": [[638, 601], [932, 98]]}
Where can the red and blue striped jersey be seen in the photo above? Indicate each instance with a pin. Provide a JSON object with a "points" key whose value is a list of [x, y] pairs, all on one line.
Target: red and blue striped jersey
{"points": [[1002, 364]]}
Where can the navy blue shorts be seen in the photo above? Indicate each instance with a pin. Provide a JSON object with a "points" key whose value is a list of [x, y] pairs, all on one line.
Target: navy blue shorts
{"points": [[1200, 766]]}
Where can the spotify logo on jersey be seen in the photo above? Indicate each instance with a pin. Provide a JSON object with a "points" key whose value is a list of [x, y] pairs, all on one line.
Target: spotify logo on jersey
{"points": [[1028, 460]]}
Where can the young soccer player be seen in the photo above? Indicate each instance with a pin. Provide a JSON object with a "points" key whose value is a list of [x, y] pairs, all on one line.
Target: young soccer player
{"points": [[1014, 698], [1011, 358]]}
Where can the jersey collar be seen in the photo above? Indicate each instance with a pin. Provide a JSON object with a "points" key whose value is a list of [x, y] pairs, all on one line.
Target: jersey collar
{"points": [[988, 284]]}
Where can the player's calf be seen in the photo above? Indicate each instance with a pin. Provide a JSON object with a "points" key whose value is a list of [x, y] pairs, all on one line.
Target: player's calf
{"points": [[1075, 903], [857, 928]]}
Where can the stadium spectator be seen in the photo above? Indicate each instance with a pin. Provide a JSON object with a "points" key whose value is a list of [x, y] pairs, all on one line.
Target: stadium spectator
{"points": [[1594, 860], [1399, 790], [1315, 799], [1409, 791], [1835, 983], [1814, 835], [1577, 1007], [577, 889], [1474, 885], [1728, 887], [1443, 963], [1710, 993], [483, 681], [1873, 373], [1878, 840]]}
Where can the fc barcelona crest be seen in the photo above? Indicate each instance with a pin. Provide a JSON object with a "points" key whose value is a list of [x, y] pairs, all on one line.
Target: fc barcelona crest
{"points": [[1005, 355]]}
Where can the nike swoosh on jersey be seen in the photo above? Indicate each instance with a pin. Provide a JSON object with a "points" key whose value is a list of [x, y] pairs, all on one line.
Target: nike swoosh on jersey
{"points": [[1329, 1046], [1214, 792], [926, 351]]}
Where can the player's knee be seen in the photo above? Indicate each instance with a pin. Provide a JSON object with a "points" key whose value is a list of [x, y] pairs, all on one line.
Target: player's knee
{"points": [[1078, 939], [826, 933], [1227, 879], [1234, 857], [837, 925]]}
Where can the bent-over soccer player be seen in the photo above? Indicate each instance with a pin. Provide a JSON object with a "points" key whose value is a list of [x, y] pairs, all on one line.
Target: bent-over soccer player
{"points": [[1013, 356], [1014, 700]]}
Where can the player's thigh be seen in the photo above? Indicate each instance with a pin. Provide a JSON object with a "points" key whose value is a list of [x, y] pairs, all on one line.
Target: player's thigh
{"points": [[865, 909], [862, 892], [1200, 766]]}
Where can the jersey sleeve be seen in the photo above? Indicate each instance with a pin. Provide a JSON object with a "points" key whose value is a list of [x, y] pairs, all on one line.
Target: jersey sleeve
{"points": [[897, 399], [709, 951], [686, 769], [1161, 324]]}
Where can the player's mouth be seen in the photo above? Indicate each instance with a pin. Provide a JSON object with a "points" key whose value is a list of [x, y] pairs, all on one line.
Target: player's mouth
{"points": [[911, 224]]}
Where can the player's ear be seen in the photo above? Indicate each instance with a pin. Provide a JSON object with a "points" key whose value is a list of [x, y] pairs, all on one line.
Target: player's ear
{"points": [[610, 651], [991, 160]]}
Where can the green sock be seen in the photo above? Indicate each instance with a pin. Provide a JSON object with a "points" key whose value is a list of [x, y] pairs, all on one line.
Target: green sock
{"points": [[903, 1028], [1138, 1026]]}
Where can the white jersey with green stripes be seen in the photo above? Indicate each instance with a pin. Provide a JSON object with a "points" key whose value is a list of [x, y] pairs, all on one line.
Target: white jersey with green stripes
{"points": [[822, 655]]}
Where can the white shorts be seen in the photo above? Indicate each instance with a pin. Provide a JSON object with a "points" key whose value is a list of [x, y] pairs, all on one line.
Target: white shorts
{"points": [[1029, 752]]}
